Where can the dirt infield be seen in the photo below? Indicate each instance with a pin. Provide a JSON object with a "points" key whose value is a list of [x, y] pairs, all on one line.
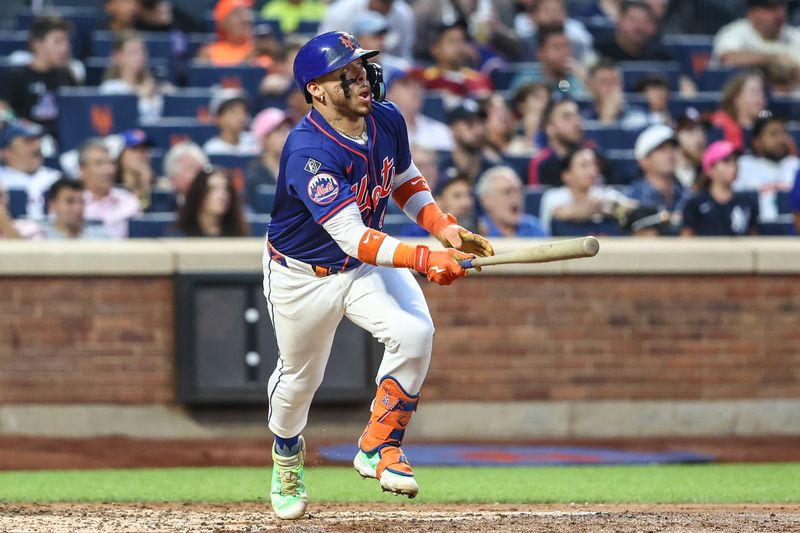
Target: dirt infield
{"points": [[32, 453], [402, 518]]}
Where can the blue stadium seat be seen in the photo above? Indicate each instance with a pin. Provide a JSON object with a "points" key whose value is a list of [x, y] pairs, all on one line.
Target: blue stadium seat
{"points": [[159, 45], [433, 107], [187, 103], [692, 52], [161, 202], [624, 167], [17, 202], [533, 199], [246, 77], [12, 41], [169, 131], [265, 196], [195, 41], [259, 224], [634, 71], [519, 163], [561, 228], [777, 228], [610, 138], [231, 162], [310, 27], [703, 102], [150, 225], [84, 112], [712, 79]]}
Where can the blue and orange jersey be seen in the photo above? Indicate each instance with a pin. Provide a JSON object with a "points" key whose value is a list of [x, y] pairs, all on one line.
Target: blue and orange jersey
{"points": [[322, 171]]}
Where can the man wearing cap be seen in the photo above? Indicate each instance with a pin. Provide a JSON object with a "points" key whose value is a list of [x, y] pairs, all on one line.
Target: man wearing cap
{"points": [[270, 128], [761, 39], [655, 152], [716, 210], [468, 126], [229, 109], [405, 88], [234, 44], [23, 164], [771, 168]]}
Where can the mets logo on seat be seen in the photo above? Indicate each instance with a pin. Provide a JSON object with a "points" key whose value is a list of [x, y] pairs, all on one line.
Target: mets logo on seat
{"points": [[323, 189]]}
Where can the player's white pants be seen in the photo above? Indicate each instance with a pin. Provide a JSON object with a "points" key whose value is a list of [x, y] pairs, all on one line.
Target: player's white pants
{"points": [[305, 311]]}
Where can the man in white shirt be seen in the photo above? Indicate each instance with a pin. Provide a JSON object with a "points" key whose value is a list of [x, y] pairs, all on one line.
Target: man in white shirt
{"points": [[229, 107], [23, 165], [113, 206], [771, 168], [761, 39], [405, 90]]}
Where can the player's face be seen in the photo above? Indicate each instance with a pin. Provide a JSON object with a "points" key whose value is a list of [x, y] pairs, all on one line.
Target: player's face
{"points": [[217, 197], [357, 99], [68, 208]]}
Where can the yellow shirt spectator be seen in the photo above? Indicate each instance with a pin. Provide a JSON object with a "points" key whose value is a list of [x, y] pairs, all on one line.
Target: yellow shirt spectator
{"points": [[291, 12]]}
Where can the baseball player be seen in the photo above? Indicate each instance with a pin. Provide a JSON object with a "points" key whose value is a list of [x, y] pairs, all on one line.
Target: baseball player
{"points": [[325, 258]]}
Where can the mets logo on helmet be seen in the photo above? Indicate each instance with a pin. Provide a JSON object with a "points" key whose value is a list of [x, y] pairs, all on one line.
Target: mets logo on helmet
{"points": [[347, 41], [323, 189]]}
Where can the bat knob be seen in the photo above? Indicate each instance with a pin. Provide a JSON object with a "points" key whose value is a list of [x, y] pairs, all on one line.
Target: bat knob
{"points": [[591, 246], [465, 263]]}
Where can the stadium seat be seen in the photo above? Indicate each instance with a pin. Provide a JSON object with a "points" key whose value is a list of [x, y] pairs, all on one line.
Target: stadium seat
{"points": [[634, 71], [519, 163], [188, 103], [783, 227], [561, 228], [159, 45], [265, 196], [433, 107], [151, 225], [309, 27], [624, 168], [169, 131], [231, 162], [703, 102], [713, 79], [84, 112], [692, 52], [246, 77], [784, 201], [533, 199], [259, 224], [17, 203], [610, 138], [195, 41], [161, 202], [12, 41]]}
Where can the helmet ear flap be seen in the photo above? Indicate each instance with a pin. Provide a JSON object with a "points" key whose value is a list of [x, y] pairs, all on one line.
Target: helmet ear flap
{"points": [[375, 78]]}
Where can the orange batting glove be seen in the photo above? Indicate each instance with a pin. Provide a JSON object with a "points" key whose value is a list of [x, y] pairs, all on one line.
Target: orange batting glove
{"points": [[451, 235], [439, 266]]}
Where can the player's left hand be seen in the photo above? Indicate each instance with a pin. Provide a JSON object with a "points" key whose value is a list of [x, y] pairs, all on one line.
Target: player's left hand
{"points": [[454, 236]]}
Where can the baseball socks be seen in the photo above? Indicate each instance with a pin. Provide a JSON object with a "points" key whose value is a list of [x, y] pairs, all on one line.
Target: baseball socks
{"points": [[379, 454], [288, 490]]}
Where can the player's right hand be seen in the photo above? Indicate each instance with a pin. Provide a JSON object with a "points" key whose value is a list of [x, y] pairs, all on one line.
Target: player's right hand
{"points": [[441, 266]]}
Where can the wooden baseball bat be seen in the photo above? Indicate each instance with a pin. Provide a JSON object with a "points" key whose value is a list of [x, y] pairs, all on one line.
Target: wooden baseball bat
{"points": [[540, 253]]}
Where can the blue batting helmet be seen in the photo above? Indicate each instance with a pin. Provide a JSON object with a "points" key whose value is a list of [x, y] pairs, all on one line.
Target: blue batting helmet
{"points": [[326, 53]]}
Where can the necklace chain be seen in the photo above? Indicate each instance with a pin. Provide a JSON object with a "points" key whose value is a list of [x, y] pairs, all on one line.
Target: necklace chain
{"points": [[361, 136]]}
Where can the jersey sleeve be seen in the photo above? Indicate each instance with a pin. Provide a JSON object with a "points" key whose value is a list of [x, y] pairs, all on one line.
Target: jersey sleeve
{"points": [[317, 180]]}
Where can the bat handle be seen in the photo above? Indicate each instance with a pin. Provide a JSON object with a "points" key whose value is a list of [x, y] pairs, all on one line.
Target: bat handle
{"points": [[465, 263]]}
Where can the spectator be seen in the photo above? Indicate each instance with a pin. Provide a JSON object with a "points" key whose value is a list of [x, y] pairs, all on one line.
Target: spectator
{"points": [[717, 211], [120, 15], [270, 129], [502, 201], [279, 81], [212, 207], [66, 203], [581, 198], [599, 12], [761, 39], [290, 13], [15, 229], [181, 164], [556, 66], [563, 128], [129, 73], [266, 46], [659, 188], [134, 171], [405, 89], [166, 16], [371, 29], [455, 197], [113, 206], [771, 168], [691, 146], [234, 44], [608, 98], [529, 102], [229, 107], [342, 14], [425, 161], [450, 74], [549, 13], [635, 35], [656, 91], [31, 90], [468, 126], [500, 129], [743, 99], [23, 165]]}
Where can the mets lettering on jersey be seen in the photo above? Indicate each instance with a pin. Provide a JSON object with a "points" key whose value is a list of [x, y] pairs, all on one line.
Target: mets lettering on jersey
{"points": [[322, 171]]}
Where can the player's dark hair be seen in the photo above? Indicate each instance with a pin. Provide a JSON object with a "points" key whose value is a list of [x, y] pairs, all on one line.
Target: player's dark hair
{"points": [[61, 184], [627, 5], [545, 32], [41, 27], [232, 223]]}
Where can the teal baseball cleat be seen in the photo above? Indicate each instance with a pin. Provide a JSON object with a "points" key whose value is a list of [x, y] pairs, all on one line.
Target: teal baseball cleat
{"points": [[288, 493], [397, 480]]}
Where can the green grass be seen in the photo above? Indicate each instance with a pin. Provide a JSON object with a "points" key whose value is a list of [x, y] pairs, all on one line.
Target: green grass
{"points": [[745, 483]]}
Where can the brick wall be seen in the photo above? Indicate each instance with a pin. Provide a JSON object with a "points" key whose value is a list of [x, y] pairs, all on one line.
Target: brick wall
{"points": [[86, 340], [111, 340]]}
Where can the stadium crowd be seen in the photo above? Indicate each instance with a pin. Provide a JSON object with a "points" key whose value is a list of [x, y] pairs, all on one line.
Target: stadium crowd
{"points": [[143, 118]]}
